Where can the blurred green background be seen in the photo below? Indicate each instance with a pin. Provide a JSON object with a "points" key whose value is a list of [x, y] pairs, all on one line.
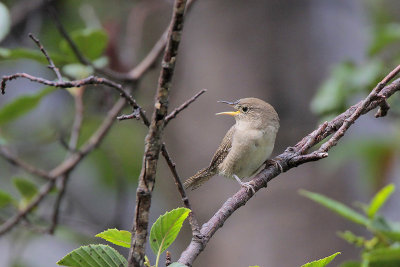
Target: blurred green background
{"points": [[310, 59]]}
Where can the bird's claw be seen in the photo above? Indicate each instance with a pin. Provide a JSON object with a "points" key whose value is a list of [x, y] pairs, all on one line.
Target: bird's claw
{"points": [[275, 163], [248, 187]]}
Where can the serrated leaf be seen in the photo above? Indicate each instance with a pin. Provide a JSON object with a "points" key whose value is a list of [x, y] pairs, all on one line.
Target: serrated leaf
{"points": [[337, 207], [93, 256], [90, 42], [5, 21], [380, 199], [322, 262], [166, 229], [5, 199], [177, 264], [118, 237], [22, 105]]}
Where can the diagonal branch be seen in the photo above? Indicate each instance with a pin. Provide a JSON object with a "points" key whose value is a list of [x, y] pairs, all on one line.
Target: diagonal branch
{"points": [[145, 65], [13, 221], [5, 153], [51, 63], [72, 145], [176, 111], [153, 138], [293, 157], [192, 218]]}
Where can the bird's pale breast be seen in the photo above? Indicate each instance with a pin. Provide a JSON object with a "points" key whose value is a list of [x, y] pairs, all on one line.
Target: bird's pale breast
{"points": [[250, 149]]}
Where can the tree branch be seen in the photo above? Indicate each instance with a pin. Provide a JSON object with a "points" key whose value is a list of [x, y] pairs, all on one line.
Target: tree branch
{"points": [[73, 143], [153, 138], [192, 218], [51, 63], [145, 65], [20, 163], [176, 111], [13, 221], [293, 157]]}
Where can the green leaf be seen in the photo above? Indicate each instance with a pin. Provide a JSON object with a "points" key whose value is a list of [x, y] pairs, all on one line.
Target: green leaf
{"points": [[337, 207], [5, 21], [166, 229], [322, 262], [352, 238], [383, 36], [93, 256], [384, 227], [177, 264], [383, 254], [5, 199], [33, 54], [77, 71], [331, 96], [90, 42], [22, 105], [380, 199], [25, 187], [351, 264], [373, 153], [118, 237]]}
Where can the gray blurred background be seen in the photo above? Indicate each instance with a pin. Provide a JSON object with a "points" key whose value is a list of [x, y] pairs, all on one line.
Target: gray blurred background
{"points": [[279, 51]]}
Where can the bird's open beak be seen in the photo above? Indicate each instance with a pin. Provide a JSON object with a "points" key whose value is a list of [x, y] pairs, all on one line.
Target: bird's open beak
{"points": [[231, 113]]}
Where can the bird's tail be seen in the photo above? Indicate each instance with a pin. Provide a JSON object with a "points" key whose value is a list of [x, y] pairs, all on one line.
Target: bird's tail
{"points": [[198, 179]]}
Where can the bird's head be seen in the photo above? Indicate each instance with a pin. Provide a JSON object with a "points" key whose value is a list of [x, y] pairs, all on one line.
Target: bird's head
{"points": [[254, 111]]}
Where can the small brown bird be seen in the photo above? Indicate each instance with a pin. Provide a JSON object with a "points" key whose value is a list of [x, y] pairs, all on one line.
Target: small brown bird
{"points": [[246, 146]]}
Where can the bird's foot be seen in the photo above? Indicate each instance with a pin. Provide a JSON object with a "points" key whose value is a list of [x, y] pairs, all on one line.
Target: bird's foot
{"points": [[270, 162], [249, 186]]}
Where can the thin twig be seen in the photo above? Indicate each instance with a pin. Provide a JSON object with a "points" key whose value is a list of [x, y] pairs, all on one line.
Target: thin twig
{"points": [[192, 218], [134, 115], [292, 157], [51, 63], [73, 142], [79, 55], [68, 164], [176, 111], [11, 222], [67, 38], [145, 65], [91, 80], [5, 153], [348, 122], [153, 139]]}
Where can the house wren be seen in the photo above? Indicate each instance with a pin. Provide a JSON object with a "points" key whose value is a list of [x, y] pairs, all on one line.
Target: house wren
{"points": [[246, 146]]}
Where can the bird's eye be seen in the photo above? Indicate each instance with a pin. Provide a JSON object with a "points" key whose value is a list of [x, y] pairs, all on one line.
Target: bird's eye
{"points": [[245, 109]]}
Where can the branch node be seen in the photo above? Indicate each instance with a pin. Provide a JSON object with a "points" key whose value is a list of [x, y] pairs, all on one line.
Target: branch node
{"points": [[383, 107], [134, 115]]}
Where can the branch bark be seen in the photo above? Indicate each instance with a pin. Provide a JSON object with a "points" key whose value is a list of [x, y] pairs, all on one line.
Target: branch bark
{"points": [[293, 157], [153, 138]]}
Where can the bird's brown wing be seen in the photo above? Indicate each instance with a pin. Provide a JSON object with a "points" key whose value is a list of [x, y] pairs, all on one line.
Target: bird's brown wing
{"points": [[205, 174], [223, 149]]}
